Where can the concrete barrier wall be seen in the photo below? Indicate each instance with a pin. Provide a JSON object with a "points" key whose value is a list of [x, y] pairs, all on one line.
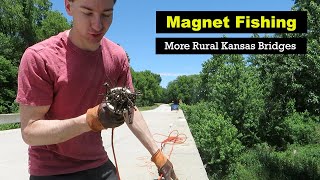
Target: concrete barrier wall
{"points": [[9, 118]]}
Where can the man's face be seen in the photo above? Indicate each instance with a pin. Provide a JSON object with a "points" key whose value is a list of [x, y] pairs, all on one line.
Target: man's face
{"points": [[91, 19]]}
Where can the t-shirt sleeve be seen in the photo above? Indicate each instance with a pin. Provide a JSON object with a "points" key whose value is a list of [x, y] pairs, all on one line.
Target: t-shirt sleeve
{"points": [[34, 84], [125, 79]]}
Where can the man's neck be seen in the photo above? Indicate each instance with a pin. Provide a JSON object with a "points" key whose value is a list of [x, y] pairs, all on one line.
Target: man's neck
{"points": [[80, 43]]}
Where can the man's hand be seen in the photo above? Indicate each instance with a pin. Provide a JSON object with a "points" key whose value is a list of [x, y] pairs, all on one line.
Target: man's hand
{"points": [[101, 117], [165, 167]]}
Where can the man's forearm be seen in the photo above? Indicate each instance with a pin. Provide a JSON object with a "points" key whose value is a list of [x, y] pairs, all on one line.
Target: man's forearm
{"points": [[46, 132], [140, 129]]}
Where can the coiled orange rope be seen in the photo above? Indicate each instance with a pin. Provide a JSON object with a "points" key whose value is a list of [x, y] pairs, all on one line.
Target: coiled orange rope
{"points": [[172, 139], [178, 138]]}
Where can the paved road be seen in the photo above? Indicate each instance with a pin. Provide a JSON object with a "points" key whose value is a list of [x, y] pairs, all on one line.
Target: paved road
{"points": [[133, 160]]}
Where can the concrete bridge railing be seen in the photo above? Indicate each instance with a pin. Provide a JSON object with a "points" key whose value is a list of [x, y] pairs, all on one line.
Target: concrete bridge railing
{"points": [[9, 118]]}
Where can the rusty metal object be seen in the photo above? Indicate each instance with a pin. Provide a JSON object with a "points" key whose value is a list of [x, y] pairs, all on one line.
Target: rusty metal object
{"points": [[120, 100]]}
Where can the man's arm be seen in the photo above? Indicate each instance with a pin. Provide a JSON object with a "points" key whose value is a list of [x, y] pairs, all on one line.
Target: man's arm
{"points": [[140, 129], [36, 131]]}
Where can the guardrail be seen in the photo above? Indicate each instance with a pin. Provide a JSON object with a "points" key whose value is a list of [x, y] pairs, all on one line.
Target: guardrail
{"points": [[9, 118]]}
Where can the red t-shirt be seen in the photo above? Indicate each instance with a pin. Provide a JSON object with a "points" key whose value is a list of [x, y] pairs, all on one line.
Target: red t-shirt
{"points": [[57, 73]]}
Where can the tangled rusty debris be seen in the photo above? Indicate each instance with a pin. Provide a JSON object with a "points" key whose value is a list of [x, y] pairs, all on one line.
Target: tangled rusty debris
{"points": [[120, 100]]}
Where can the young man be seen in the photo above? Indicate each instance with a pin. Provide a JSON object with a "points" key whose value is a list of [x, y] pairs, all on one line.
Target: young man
{"points": [[62, 113]]}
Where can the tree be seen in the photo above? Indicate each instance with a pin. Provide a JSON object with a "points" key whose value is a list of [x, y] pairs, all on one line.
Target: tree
{"points": [[51, 25], [185, 88], [148, 84], [235, 90], [291, 80], [25, 22], [22, 24], [8, 75], [216, 137]]}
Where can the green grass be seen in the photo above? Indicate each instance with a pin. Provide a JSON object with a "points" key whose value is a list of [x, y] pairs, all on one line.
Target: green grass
{"points": [[9, 126], [146, 108]]}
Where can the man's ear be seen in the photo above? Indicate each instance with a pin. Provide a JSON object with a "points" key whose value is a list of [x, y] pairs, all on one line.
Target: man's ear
{"points": [[67, 4]]}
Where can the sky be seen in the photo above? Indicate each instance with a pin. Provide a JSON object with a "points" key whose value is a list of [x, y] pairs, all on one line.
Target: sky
{"points": [[134, 28]]}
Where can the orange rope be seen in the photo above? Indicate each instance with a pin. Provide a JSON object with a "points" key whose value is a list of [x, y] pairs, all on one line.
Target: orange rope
{"points": [[172, 140], [114, 154], [179, 138]]}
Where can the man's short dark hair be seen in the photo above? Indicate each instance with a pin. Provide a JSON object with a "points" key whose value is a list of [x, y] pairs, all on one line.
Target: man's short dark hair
{"points": [[114, 1]]}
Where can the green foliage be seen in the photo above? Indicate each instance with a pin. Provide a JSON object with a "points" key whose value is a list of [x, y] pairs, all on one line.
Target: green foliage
{"points": [[164, 98], [184, 88], [291, 81], [8, 76], [248, 166], [147, 108], [298, 162], [271, 99], [215, 137], [29, 19], [51, 25], [22, 24], [263, 162], [148, 84], [235, 91], [9, 126], [8, 48], [301, 128]]}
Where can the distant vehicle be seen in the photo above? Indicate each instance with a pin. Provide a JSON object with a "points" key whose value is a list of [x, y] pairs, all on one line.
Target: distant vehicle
{"points": [[174, 107]]}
